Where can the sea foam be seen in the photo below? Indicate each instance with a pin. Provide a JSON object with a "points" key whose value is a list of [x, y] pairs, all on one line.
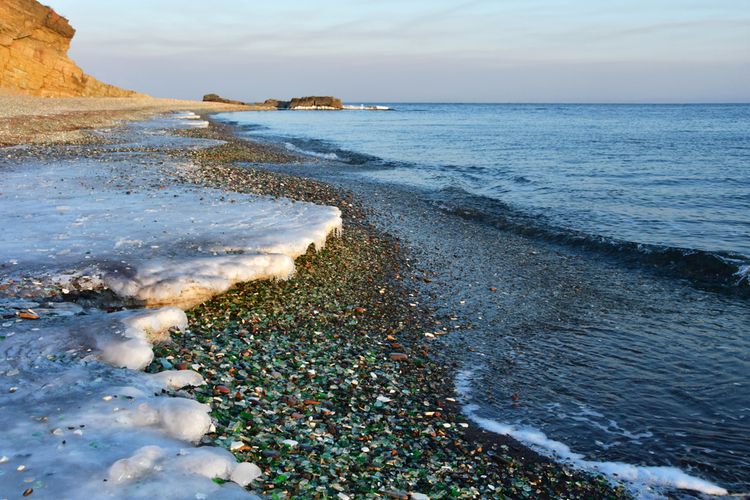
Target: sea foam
{"points": [[645, 481]]}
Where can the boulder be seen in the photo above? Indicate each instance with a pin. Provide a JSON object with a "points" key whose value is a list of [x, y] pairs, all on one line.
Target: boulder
{"points": [[34, 42]]}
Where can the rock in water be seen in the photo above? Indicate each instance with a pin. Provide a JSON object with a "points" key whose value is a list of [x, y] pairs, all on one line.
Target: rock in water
{"points": [[316, 102], [34, 42]]}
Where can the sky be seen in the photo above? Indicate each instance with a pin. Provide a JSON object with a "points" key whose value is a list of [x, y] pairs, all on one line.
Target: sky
{"points": [[419, 50]]}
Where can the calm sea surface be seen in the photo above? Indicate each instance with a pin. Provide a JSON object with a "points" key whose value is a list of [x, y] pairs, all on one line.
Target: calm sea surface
{"points": [[661, 374]]}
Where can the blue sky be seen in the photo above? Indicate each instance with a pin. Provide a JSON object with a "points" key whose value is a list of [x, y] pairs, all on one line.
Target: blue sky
{"points": [[420, 50]]}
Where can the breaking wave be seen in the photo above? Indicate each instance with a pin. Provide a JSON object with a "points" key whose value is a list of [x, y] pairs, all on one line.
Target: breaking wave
{"points": [[644, 481], [712, 270], [325, 156]]}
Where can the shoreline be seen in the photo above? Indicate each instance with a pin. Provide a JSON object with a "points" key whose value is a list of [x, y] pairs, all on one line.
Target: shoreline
{"points": [[48, 120], [547, 320], [366, 400], [499, 449]]}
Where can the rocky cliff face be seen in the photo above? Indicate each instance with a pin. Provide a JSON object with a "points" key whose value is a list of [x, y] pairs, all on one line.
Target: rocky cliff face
{"points": [[34, 42]]}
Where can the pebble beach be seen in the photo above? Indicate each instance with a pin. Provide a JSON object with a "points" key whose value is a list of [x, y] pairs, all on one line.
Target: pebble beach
{"points": [[331, 382]]}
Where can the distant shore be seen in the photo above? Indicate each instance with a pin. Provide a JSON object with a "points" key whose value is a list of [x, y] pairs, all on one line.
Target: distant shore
{"points": [[34, 120]]}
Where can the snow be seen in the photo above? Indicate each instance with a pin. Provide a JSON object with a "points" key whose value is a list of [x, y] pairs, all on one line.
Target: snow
{"points": [[245, 473], [79, 418], [105, 223], [127, 343]]}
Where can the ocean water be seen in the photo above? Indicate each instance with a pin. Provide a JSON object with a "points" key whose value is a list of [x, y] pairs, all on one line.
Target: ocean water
{"points": [[651, 369]]}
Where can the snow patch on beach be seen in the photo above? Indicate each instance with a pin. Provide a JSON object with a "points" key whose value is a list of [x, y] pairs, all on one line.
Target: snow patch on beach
{"points": [[645, 481], [75, 423], [107, 223], [74, 426]]}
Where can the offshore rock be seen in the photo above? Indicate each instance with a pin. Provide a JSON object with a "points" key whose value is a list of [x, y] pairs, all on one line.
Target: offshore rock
{"points": [[34, 43], [316, 102], [218, 98]]}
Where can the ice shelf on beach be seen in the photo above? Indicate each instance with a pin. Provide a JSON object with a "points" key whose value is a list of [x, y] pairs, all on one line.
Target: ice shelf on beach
{"points": [[121, 222], [79, 418]]}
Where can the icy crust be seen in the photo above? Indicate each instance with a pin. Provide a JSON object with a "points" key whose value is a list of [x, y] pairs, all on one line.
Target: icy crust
{"points": [[76, 424], [122, 222], [190, 281], [76, 427], [128, 342]]}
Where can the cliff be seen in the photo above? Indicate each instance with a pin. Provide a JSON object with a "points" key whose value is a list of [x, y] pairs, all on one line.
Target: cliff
{"points": [[34, 42]]}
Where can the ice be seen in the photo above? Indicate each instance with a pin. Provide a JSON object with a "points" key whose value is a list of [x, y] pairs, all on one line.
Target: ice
{"points": [[208, 462], [172, 379], [180, 418], [245, 473], [137, 466], [72, 416], [191, 281], [128, 340], [79, 419], [151, 241]]}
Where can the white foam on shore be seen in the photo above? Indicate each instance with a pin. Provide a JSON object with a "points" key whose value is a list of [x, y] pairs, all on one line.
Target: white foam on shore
{"points": [[188, 119], [645, 481]]}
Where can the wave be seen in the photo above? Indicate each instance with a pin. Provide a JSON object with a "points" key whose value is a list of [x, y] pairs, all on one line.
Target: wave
{"points": [[325, 156], [710, 270], [642, 479], [715, 271]]}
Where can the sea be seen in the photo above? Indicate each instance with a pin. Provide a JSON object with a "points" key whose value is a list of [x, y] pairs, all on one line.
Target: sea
{"points": [[602, 253]]}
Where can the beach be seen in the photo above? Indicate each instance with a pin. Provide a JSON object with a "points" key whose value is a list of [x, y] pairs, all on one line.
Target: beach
{"points": [[464, 251], [330, 381], [27, 119], [577, 276]]}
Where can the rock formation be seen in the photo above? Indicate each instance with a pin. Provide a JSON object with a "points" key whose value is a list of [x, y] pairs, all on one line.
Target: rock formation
{"points": [[34, 42], [218, 98], [315, 102], [312, 102]]}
